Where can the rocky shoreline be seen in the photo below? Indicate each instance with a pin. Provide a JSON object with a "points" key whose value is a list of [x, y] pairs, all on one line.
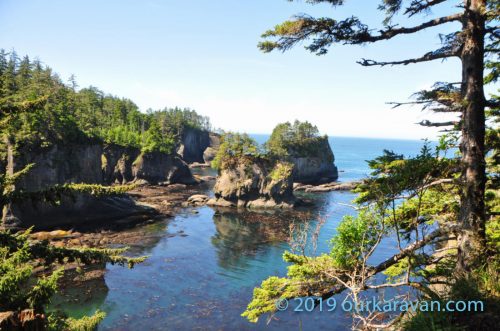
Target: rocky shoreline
{"points": [[167, 201], [327, 187]]}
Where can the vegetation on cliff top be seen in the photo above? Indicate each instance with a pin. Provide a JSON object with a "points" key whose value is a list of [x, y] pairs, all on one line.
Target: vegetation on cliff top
{"points": [[234, 147], [300, 139], [37, 107], [237, 148]]}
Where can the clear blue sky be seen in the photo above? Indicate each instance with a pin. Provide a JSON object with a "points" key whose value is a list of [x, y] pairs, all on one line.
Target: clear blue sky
{"points": [[202, 54]]}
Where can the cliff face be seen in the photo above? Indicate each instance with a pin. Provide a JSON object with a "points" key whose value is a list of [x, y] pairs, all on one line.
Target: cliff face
{"points": [[159, 168], [315, 165], [90, 164], [116, 163], [123, 165], [254, 185], [193, 144], [59, 164], [211, 151]]}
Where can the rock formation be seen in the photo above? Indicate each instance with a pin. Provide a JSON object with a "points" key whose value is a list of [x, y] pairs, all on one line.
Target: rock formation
{"points": [[90, 164], [116, 162], [160, 168], [193, 144], [211, 150], [315, 165], [254, 183]]}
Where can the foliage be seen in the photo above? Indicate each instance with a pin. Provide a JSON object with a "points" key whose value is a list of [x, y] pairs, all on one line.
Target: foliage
{"points": [[23, 288], [281, 170], [403, 196], [355, 236], [300, 139], [38, 108], [19, 289], [87, 323], [156, 141], [235, 146]]}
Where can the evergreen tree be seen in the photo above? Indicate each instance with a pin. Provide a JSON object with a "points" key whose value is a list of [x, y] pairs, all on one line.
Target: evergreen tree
{"points": [[475, 41]]}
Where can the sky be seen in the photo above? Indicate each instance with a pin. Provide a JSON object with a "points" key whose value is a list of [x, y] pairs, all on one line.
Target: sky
{"points": [[203, 55]]}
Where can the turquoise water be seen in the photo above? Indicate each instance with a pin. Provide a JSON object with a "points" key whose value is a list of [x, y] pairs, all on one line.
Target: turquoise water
{"points": [[204, 263]]}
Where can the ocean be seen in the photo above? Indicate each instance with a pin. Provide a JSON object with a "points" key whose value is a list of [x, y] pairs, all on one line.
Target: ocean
{"points": [[203, 264]]}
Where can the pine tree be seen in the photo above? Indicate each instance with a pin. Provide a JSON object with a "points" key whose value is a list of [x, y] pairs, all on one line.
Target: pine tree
{"points": [[478, 18]]}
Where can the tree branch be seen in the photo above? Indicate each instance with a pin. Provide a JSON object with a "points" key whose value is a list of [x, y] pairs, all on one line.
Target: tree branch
{"points": [[392, 260], [390, 32], [431, 56], [418, 6], [327, 31], [437, 124]]}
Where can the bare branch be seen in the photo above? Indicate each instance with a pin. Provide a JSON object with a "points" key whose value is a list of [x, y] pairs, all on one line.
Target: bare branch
{"points": [[435, 124], [431, 56], [493, 103]]}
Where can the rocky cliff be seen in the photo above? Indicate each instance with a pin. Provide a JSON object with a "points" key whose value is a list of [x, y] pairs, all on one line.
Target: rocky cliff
{"points": [[159, 168], [116, 163], [211, 150], [314, 164], [89, 164], [254, 183], [193, 144], [123, 165]]}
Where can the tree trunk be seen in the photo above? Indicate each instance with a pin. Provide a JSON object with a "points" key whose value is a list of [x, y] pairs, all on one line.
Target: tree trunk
{"points": [[472, 215], [6, 210]]}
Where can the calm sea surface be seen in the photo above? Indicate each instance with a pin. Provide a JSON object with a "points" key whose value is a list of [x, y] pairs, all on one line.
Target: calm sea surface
{"points": [[204, 263]]}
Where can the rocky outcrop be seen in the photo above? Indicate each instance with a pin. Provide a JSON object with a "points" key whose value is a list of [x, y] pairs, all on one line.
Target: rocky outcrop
{"points": [[254, 184], [80, 210], [123, 165], [328, 187], [26, 320], [198, 146], [117, 163], [209, 154], [211, 151], [197, 200], [59, 164], [193, 144], [90, 164], [315, 164], [160, 168]]}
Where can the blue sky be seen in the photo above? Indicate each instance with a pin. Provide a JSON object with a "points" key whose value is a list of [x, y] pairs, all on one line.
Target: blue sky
{"points": [[202, 54]]}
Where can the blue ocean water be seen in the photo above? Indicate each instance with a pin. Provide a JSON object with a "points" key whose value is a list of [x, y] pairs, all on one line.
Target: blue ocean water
{"points": [[204, 278], [351, 154]]}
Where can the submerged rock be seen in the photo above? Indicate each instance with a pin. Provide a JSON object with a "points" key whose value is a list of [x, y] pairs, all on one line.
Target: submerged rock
{"points": [[254, 183], [328, 187], [197, 200]]}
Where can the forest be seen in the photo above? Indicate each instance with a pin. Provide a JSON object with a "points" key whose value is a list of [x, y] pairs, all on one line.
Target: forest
{"points": [[50, 110]]}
